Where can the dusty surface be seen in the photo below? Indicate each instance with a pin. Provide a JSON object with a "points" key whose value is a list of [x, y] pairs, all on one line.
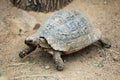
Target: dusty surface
{"points": [[91, 63]]}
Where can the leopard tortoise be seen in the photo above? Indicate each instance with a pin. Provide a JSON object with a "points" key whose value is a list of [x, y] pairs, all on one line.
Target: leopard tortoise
{"points": [[64, 32]]}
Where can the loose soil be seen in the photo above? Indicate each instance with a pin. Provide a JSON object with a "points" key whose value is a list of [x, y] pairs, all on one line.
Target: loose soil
{"points": [[91, 63]]}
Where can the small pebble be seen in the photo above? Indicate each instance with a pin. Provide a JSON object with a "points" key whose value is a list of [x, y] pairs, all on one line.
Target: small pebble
{"points": [[47, 67], [36, 26], [98, 74], [105, 2], [98, 23], [64, 61], [100, 65]]}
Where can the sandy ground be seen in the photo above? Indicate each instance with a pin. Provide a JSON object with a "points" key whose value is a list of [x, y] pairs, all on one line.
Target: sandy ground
{"points": [[91, 63]]}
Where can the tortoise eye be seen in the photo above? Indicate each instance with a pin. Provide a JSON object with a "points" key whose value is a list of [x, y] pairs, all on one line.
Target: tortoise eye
{"points": [[28, 41]]}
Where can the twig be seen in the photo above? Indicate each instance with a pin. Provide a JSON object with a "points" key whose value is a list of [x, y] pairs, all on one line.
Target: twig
{"points": [[30, 76], [17, 64]]}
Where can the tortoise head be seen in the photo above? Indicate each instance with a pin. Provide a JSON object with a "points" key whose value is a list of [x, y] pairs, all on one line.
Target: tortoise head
{"points": [[32, 40], [36, 40]]}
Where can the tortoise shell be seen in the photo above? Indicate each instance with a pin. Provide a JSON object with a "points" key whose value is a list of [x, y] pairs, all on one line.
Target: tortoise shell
{"points": [[68, 31]]}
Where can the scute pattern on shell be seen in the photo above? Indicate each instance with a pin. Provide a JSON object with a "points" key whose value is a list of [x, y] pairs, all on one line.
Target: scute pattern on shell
{"points": [[64, 30]]}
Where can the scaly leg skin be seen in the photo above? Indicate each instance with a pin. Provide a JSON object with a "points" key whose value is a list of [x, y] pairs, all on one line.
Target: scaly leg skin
{"points": [[58, 60], [105, 43], [27, 50]]}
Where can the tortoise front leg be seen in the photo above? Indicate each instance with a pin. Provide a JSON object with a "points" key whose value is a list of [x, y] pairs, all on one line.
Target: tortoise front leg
{"points": [[27, 50], [105, 43], [58, 60]]}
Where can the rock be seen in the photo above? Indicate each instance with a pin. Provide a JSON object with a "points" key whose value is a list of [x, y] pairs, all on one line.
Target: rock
{"points": [[100, 65], [36, 27], [47, 67], [105, 2], [65, 61]]}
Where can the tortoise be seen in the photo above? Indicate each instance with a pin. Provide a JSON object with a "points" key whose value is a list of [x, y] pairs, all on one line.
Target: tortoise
{"points": [[64, 32]]}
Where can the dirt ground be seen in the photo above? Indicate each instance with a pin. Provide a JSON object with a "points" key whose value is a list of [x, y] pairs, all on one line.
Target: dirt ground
{"points": [[91, 63]]}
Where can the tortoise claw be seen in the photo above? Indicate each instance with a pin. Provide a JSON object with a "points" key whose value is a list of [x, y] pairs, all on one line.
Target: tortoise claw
{"points": [[105, 43], [27, 50]]}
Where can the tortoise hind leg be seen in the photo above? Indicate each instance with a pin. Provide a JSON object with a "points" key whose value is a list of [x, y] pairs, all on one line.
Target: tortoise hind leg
{"points": [[58, 60], [105, 43]]}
